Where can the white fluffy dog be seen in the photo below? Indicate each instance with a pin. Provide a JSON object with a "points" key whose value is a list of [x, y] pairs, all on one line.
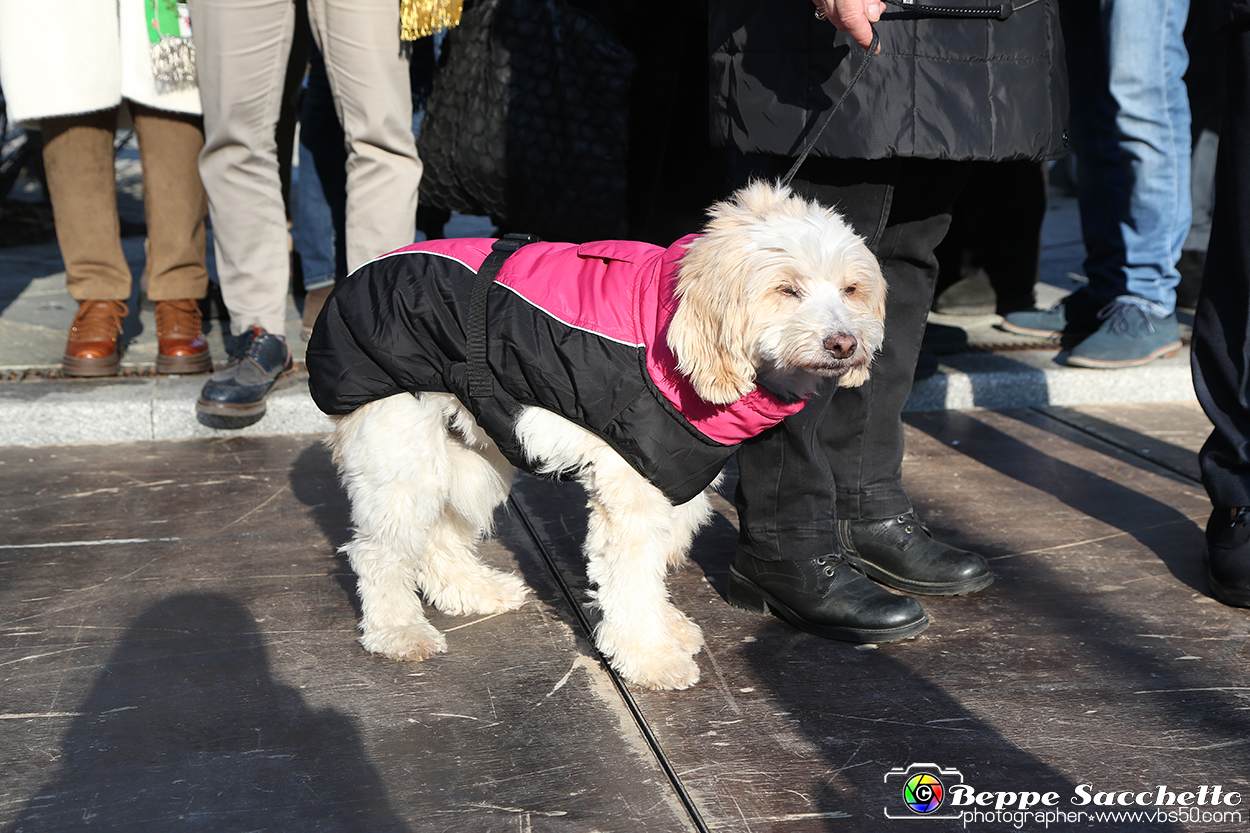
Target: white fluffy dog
{"points": [[777, 292]]}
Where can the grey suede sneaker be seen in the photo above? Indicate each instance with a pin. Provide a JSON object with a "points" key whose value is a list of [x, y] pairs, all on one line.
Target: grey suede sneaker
{"points": [[1132, 333], [1074, 316]]}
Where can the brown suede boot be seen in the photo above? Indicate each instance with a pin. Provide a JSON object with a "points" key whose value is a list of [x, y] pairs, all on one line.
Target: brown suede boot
{"points": [[91, 349], [314, 300], [180, 336]]}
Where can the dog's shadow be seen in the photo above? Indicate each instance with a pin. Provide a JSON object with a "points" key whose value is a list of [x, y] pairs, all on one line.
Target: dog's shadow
{"points": [[315, 483]]}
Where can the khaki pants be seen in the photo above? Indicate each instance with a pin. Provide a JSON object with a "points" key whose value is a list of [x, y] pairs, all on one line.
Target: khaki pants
{"points": [[242, 47], [78, 157]]}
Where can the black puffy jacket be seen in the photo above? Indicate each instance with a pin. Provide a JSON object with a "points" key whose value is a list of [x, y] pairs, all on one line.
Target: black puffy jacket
{"points": [[941, 88]]}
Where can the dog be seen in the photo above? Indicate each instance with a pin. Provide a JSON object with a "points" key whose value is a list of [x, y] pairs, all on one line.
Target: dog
{"points": [[641, 396]]}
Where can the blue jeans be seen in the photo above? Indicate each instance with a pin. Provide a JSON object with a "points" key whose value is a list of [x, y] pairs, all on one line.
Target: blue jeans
{"points": [[1130, 133], [321, 203], [319, 224]]}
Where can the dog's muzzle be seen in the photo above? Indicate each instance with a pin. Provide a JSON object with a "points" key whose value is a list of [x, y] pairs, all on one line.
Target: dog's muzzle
{"points": [[841, 355], [841, 345]]}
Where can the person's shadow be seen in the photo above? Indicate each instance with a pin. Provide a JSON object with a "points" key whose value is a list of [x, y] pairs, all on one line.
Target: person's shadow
{"points": [[186, 729]]}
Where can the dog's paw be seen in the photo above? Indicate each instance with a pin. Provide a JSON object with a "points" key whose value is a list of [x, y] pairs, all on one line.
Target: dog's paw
{"points": [[673, 670], [687, 634], [411, 643], [490, 592], [653, 660]]}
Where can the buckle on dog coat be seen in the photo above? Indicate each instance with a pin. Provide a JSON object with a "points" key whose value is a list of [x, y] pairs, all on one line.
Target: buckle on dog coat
{"points": [[481, 384]]}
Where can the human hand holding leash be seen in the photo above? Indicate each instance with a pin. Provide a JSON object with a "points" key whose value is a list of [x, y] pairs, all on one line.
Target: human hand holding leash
{"points": [[855, 17]]}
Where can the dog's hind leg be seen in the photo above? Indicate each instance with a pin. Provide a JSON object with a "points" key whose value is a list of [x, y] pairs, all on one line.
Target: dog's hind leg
{"points": [[451, 576], [392, 458]]}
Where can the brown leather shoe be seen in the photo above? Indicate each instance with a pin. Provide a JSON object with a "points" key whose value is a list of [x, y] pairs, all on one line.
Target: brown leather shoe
{"points": [[91, 349], [180, 337]]}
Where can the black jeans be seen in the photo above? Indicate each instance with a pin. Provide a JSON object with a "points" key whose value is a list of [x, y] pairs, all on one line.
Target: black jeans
{"points": [[842, 455], [1221, 346]]}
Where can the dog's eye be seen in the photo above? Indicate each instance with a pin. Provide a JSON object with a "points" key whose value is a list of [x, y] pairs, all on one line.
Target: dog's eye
{"points": [[792, 291], [850, 290]]}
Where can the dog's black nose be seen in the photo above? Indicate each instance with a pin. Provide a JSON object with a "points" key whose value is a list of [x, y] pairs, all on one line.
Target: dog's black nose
{"points": [[841, 345]]}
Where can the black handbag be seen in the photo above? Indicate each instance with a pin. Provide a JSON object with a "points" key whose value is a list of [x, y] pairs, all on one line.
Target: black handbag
{"points": [[528, 121]]}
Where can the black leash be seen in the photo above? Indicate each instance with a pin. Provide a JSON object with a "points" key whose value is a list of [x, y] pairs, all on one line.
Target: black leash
{"points": [[811, 143]]}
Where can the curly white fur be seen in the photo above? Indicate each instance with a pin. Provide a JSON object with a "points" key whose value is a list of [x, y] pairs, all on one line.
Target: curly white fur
{"points": [[778, 291]]}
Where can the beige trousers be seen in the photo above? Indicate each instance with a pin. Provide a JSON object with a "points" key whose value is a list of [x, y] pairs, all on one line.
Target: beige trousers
{"points": [[78, 157], [242, 47]]}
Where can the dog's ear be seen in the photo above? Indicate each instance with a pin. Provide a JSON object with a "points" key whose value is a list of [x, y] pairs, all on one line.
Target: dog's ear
{"points": [[707, 337], [709, 330]]}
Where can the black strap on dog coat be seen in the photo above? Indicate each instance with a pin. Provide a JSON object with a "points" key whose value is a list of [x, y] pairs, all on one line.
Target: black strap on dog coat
{"points": [[481, 384]]}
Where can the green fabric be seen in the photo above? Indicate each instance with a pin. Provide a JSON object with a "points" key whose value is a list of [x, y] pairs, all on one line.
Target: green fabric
{"points": [[162, 20]]}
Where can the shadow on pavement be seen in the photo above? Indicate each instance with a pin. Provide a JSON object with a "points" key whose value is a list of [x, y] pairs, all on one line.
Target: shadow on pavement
{"points": [[186, 729]]}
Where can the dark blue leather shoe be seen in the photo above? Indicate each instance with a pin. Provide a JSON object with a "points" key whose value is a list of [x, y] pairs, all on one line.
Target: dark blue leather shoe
{"points": [[238, 390], [1228, 555]]}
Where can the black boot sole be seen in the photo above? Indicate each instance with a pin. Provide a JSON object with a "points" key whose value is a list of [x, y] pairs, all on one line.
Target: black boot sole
{"points": [[921, 588], [747, 595], [1230, 597]]}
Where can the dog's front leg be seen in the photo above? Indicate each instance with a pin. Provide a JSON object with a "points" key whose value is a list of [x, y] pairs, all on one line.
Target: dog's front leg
{"points": [[634, 534], [688, 519]]}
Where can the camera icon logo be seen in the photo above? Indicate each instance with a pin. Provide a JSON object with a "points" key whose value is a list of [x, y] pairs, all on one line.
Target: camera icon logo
{"points": [[923, 789], [923, 793]]}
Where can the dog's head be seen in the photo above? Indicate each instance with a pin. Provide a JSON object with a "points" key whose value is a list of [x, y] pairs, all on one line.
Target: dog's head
{"points": [[778, 291]]}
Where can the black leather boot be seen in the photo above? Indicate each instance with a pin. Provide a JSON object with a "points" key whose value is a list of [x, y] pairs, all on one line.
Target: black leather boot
{"points": [[899, 552], [824, 596], [1228, 555]]}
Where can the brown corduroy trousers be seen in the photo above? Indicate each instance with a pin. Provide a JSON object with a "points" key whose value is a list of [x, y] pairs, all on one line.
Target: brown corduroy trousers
{"points": [[78, 157]]}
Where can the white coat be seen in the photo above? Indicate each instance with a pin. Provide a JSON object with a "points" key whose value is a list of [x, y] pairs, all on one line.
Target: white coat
{"points": [[63, 59]]}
